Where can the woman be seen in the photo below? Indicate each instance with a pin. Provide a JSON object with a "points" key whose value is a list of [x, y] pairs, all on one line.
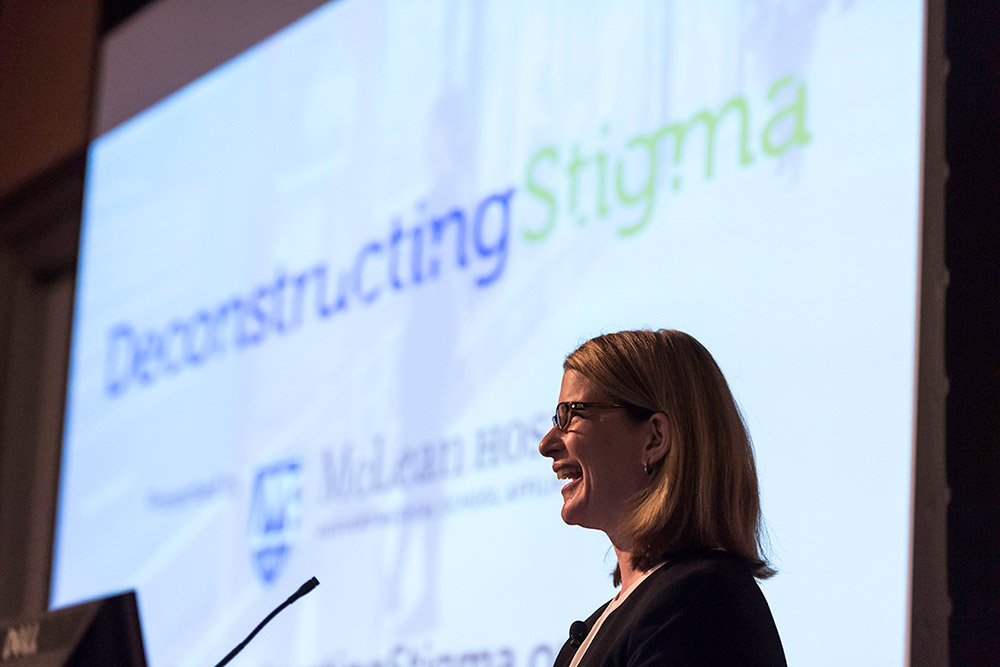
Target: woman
{"points": [[657, 456]]}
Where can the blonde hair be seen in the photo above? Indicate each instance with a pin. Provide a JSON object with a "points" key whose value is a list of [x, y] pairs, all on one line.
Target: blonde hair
{"points": [[704, 493]]}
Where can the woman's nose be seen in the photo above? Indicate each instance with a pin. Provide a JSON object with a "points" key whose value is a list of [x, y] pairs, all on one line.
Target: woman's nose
{"points": [[551, 442]]}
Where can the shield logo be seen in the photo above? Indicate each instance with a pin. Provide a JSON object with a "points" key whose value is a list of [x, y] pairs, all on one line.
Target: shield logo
{"points": [[275, 517]]}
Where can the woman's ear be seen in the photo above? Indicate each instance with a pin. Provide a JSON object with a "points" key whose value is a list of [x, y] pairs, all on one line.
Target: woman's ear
{"points": [[660, 432]]}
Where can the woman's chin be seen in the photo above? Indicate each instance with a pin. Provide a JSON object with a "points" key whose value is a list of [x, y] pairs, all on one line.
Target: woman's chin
{"points": [[572, 513], [568, 517]]}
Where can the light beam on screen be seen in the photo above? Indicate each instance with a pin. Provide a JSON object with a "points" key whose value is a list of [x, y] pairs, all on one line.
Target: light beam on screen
{"points": [[325, 292]]}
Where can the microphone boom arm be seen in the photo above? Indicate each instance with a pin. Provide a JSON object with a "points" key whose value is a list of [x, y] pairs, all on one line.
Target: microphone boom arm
{"points": [[303, 589]]}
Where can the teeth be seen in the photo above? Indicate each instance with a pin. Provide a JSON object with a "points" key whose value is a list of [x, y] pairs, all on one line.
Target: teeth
{"points": [[567, 474]]}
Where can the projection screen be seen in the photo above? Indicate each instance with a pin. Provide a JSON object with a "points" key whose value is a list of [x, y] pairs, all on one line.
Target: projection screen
{"points": [[325, 292]]}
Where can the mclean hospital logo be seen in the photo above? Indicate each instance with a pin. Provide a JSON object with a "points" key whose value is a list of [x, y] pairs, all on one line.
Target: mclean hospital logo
{"points": [[275, 517]]}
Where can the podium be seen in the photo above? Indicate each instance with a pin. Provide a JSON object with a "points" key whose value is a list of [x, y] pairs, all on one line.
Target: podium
{"points": [[99, 632]]}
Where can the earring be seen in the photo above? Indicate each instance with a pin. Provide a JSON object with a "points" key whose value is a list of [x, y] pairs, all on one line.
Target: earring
{"points": [[646, 468]]}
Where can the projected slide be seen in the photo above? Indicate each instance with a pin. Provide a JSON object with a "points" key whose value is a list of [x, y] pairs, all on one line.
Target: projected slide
{"points": [[325, 293]]}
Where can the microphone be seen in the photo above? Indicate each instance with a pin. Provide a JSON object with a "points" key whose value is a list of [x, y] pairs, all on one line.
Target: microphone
{"points": [[578, 631], [303, 589]]}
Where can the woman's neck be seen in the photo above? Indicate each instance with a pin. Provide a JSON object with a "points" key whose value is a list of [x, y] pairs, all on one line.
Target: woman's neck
{"points": [[628, 571]]}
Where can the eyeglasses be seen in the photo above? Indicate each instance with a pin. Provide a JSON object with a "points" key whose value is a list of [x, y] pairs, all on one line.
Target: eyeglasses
{"points": [[565, 410]]}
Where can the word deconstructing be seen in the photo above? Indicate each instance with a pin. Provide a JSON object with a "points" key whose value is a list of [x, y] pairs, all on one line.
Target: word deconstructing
{"points": [[406, 258]]}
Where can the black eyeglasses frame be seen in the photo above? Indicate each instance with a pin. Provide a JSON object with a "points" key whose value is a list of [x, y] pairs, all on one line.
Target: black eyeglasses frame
{"points": [[575, 406]]}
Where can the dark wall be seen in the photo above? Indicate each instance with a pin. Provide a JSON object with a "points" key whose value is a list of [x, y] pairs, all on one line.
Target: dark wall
{"points": [[47, 50], [972, 252]]}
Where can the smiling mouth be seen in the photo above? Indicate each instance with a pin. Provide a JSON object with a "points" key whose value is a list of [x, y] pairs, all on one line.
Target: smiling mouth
{"points": [[569, 472]]}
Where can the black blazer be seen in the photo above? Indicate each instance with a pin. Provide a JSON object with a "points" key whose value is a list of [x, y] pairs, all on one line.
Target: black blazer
{"points": [[701, 608]]}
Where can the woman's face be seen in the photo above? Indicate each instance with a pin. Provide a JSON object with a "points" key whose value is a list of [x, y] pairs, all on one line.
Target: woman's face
{"points": [[600, 454]]}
